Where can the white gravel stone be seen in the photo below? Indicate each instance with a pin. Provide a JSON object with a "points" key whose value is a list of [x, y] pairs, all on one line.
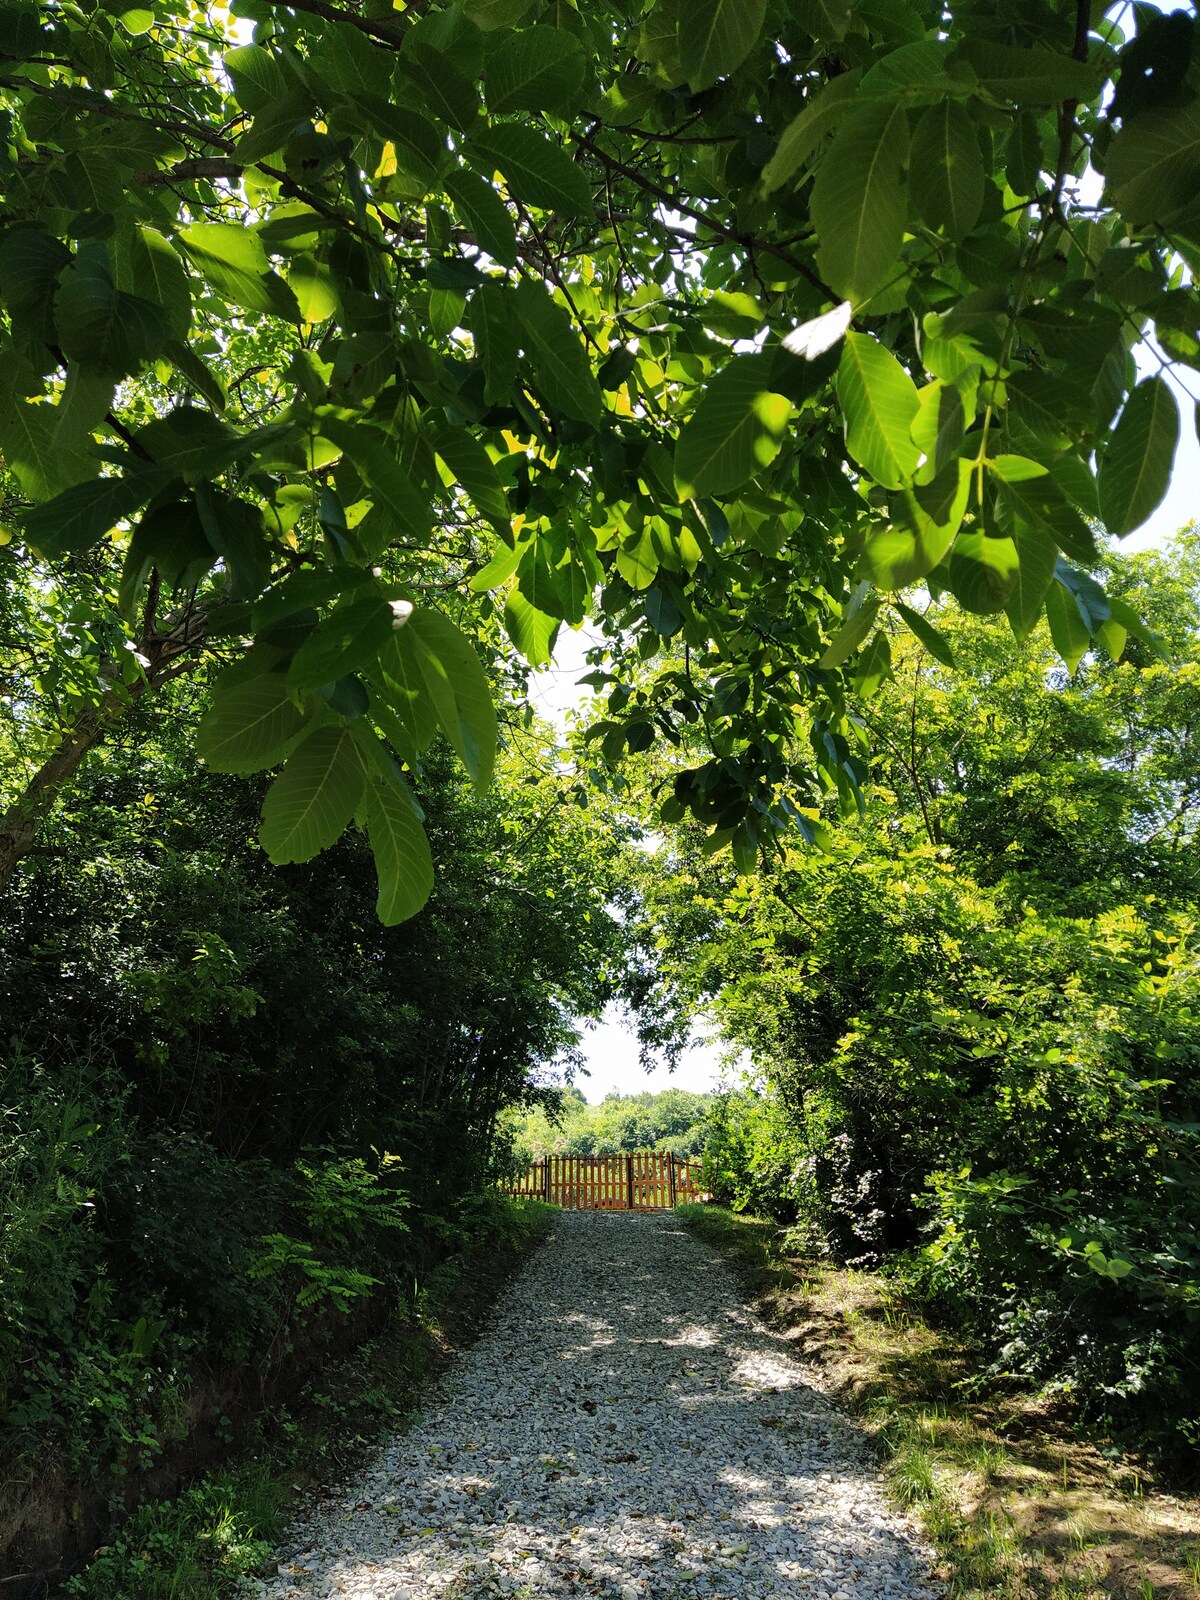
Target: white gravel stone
{"points": [[625, 1429]]}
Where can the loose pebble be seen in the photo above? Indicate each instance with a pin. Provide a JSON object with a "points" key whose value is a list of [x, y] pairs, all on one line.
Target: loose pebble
{"points": [[626, 1429]]}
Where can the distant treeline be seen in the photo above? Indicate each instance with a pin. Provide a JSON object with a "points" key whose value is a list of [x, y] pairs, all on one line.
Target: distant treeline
{"points": [[672, 1120]]}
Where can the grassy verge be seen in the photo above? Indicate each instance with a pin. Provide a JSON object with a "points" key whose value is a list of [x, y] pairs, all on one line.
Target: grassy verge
{"points": [[1017, 1506], [223, 1527]]}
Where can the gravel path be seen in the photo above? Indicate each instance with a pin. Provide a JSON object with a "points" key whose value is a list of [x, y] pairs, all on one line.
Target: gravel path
{"points": [[626, 1428]]}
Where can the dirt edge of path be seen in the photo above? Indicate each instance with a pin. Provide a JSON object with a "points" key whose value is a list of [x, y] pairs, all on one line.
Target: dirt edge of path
{"points": [[1017, 1506]]}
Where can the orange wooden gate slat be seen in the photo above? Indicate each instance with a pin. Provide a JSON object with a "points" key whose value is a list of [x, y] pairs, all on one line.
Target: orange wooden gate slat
{"points": [[647, 1180]]}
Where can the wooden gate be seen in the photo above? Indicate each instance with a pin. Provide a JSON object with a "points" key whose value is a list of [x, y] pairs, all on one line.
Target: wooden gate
{"points": [[651, 1180]]}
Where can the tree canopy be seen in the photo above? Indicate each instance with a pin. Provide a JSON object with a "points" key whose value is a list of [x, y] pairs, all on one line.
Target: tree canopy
{"points": [[368, 345]]}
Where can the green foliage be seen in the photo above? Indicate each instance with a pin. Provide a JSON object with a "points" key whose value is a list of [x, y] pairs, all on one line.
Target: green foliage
{"points": [[672, 1119], [240, 1117], [973, 1015], [378, 347]]}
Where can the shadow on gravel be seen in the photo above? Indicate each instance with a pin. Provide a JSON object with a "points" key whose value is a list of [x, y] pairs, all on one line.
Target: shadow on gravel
{"points": [[626, 1428]]}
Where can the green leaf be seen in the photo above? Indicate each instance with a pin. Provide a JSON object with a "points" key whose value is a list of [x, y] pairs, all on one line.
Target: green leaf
{"points": [[637, 560], [939, 426], [946, 176], [389, 485], [233, 261], [535, 69], [100, 325], [33, 453], [476, 473], [1034, 77], [30, 263], [874, 667], [157, 274], [504, 562], [1071, 637], [86, 400], [459, 689], [83, 514], [258, 79], [352, 635], [1135, 466], [531, 630], [562, 371], [235, 530], [734, 432], [716, 36], [491, 14], [924, 523], [537, 171], [484, 212], [859, 201], [249, 725], [403, 863], [1037, 555], [493, 326], [857, 621], [982, 572], [170, 537], [440, 81], [314, 798], [921, 628], [880, 404]]}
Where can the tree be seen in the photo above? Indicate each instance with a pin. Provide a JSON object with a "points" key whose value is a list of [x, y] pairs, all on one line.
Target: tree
{"points": [[364, 339], [972, 1012]]}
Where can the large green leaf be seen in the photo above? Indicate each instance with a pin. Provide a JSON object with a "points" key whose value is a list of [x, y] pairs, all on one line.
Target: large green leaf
{"points": [[1070, 634], [1034, 76], [857, 621], [531, 630], [258, 77], [314, 798], [982, 572], [249, 724], [390, 487], [561, 369], [476, 473], [41, 463], [859, 200], [537, 170], [1135, 467], [880, 404], [803, 135], [946, 176], [493, 326], [932, 638], [233, 261], [735, 431], [83, 514], [459, 691], [102, 326], [534, 69], [30, 263], [1153, 164], [716, 36], [924, 523], [1037, 556], [485, 213], [403, 863], [352, 635]]}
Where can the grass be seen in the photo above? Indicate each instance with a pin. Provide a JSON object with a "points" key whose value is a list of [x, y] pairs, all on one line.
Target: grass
{"points": [[1015, 1504], [222, 1528]]}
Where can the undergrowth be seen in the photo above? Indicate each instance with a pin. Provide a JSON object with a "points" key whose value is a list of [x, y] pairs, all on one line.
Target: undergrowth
{"points": [[223, 1527]]}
